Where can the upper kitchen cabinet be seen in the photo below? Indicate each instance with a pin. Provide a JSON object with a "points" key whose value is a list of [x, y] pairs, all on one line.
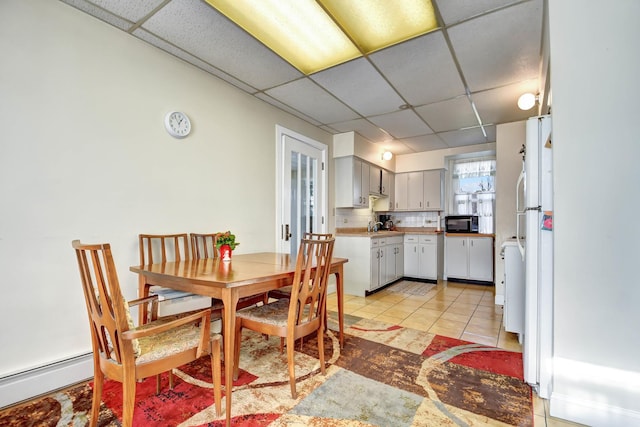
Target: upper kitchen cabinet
{"points": [[409, 189], [375, 177], [433, 189], [352, 182], [386, 183], [419, 191]]}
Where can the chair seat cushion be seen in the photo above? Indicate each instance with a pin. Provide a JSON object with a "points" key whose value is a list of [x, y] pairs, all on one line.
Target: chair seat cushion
{"points": [[274, 313], [167, 343]]}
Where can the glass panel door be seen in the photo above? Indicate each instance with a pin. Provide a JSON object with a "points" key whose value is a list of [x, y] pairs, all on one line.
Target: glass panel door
{"points": [[302, 184]]}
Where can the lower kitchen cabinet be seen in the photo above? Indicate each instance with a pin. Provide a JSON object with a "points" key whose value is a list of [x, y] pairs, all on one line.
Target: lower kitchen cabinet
{"points": [[373, 262], [423, 256], [469, 258]]}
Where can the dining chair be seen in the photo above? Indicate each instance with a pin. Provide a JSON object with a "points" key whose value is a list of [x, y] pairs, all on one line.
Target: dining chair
{"points": [[125, 353], [203, 246], [285, 291], [300, 315], [162, 248]]}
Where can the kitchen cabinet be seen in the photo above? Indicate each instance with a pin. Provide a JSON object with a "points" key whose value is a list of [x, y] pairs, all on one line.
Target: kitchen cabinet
{"points": [[352, 178], [419, 191], [375, 184], [433, 189], [392, 256], [386, 182], [423, 256], [373, 262], [409, 191], [469, 258]]}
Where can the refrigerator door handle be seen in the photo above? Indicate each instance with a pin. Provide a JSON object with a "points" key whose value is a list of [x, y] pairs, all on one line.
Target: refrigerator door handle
{"points": [[520, 212], [518, 183], [518, 234]]}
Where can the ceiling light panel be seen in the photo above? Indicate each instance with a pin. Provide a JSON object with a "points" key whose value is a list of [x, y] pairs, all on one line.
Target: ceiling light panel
{"points": [[374, 24], [297, 30], [315, 35]]}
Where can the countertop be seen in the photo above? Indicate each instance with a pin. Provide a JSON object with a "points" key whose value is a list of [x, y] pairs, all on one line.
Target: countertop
{"points": [[398, 231], [401, 231]]}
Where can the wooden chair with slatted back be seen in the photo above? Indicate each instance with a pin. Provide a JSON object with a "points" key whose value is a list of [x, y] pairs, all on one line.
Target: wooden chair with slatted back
{"points": [[300, 315], [285, 291], [127, 354], [203, 246], [162, 248]]}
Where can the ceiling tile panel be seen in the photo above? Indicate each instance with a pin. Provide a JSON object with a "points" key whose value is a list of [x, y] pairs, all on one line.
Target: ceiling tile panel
{"points": [[459, 138], [365, 128], [453, 11], [266, 98], [361, 87], [490, 103], [307, 97], [102, 14], [447, 115], [131, 10], [422, 69], [500, 48], [402, 124], [424, 143], [201, 30], [161, 44]]}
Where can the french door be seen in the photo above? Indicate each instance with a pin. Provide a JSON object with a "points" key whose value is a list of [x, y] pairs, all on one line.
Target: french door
{"points": [[302, 189]]}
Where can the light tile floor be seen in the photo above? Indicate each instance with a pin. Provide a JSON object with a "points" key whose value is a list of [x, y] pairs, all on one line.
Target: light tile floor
{"points": [[457, 310]]}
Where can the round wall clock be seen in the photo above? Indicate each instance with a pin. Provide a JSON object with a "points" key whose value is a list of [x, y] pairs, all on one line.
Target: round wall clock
{"points": [[177, 124]]}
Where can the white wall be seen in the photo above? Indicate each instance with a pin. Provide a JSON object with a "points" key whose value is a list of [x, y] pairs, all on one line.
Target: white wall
{"points": [[595, 83], [436, 159], [509, 140], [84, 154]]}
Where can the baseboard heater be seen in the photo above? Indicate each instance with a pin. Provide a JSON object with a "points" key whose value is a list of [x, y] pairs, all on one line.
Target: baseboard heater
{"points": [[26, 385]]}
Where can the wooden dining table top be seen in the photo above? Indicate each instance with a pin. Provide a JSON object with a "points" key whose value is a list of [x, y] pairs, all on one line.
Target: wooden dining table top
{"points": [[243, 269]]}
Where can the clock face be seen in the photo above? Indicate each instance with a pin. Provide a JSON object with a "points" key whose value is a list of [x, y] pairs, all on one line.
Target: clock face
{"points": [[177, 124]]}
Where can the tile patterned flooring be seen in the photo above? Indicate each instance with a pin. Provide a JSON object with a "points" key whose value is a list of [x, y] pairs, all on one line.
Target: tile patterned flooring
{"points": [[452, 309]]}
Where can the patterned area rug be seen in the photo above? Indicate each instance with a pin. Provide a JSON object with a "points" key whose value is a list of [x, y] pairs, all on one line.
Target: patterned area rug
{"points": [[385, 375], [411, 288]]}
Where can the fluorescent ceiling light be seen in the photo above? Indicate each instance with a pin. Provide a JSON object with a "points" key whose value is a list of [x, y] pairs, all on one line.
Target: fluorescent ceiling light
{"points": [[315, 35], [374, 24]]}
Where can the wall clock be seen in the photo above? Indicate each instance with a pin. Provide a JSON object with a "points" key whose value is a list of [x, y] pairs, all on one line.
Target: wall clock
{"points": [[177, 124]]}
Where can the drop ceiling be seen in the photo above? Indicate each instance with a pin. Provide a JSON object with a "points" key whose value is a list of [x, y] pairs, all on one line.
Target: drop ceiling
{"points": [[448, 88]]}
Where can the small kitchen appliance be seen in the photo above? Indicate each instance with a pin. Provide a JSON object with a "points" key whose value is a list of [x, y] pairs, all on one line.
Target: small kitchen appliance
{"points": [[461, 224], [387, 223]]}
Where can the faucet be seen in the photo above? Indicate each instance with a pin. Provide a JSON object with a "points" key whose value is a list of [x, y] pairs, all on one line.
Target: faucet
{"points": [[375, 226]]}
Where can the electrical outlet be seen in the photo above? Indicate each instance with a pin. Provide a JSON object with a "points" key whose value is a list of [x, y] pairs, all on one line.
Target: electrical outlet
{"points": [[345, 220]]}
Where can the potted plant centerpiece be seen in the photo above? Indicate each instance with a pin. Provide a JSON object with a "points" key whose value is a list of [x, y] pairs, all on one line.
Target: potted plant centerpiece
{"points": [[226, 242]]}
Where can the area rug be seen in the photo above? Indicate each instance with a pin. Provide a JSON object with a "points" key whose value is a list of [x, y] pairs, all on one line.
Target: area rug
{"points": [[385, 375], [409, 287]]}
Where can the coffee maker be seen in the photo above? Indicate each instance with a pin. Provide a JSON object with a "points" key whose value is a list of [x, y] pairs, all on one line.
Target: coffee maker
{"points": [[387, 223]]}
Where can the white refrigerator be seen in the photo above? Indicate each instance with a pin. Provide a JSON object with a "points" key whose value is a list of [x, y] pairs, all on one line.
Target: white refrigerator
{"points": [[535, 241]]}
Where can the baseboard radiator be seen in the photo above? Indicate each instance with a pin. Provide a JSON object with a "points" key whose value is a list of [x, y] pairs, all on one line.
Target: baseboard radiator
{"points": [[26, 385]]}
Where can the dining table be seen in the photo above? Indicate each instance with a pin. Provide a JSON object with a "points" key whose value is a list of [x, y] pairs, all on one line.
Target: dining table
{"points": [[244, 275]]}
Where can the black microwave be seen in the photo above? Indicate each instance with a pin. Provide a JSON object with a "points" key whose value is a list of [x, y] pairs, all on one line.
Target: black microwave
{"points": [[461, 224]]}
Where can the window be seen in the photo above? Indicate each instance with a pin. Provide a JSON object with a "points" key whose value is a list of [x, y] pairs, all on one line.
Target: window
{"points": [[473, 190]]}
